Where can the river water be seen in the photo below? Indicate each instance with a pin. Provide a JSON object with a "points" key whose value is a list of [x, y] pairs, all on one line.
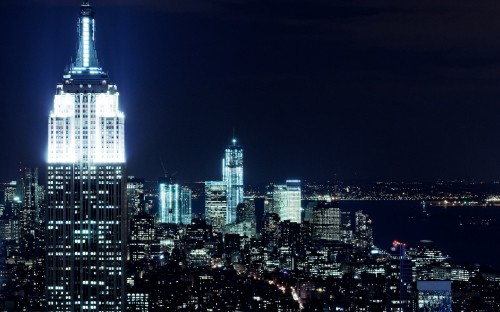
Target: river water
{"points": [[465, 233]]}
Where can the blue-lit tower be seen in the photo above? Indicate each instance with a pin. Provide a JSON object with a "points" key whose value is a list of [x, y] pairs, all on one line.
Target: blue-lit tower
{"points": [[232, 175], [186, 214], [169, 199], [86, 217]]}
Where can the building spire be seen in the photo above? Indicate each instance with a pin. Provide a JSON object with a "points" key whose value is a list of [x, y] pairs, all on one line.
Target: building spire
{"points": [[86, 58]]}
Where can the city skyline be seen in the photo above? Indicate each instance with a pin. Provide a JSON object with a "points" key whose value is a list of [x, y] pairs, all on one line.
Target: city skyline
{"points": [[313, 89], [107, 230]]}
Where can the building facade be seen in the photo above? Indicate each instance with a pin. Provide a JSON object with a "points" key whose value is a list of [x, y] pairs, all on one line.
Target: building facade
{"points": [[169, 200], [186, 205], [286, 201], [216, 204], [326, 221], [232, 175], [86, 215]]}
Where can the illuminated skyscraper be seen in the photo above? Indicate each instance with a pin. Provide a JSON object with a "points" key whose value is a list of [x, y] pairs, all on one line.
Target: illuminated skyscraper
{"points": [[169, 203], [216, 204], [287, 201], [30, 194], [363, 236], [135, 196], [86, 215], [326, 221], [279, 196], [142, 236], [186, 195], [232, 175]]}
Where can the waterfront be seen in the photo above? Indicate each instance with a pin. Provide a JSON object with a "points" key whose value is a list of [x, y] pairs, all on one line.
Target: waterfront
{"points": [[465, 233]]}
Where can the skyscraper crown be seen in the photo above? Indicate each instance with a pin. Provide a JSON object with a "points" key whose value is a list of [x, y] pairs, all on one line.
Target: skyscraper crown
{"points": [[86, 58]]}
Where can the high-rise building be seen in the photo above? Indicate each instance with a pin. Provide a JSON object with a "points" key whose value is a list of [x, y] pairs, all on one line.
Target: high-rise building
{"points": [[30, 194], [345, 227], [245, 211], [216, 204], [287, 200], [10, 227], [269, 229], [28, 190], [363, 236], [245, 224], [169, 200], [86, 214], [186, 198], [143, 238], [9, 191], [400, 284], [135, 196], [326, 221], [232, 175], [279, 199]]}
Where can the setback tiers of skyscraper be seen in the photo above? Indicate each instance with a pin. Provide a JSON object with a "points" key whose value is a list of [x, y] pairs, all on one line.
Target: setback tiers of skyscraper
{"points": [[86, 212]]}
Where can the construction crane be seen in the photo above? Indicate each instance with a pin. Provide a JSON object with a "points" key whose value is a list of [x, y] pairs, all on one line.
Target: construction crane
{"points": [[169, 177]]}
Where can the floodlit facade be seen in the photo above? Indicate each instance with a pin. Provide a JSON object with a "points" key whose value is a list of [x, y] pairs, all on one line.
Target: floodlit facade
{"points": [[186, 198], [170, 203], [279, 199], [232, 174], [287, 200], [86, 215], [216, 204]]}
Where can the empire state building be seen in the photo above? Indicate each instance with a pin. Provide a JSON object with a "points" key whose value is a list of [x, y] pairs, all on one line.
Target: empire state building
{"points": [[86, 214]]}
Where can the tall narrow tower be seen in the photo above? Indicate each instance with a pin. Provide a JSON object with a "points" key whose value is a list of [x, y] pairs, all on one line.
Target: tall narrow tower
{"points": [[86, 214], [232, 175]]}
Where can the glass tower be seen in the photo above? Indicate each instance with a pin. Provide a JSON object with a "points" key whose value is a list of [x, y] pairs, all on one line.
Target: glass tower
{"points": [[287, 201], [326, 221], [186, 195], [216, 204], [232, 175], [169, 203], [86, 215]]}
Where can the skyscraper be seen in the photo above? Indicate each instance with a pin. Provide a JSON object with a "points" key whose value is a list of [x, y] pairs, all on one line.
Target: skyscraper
{"points": [[30, 195], [363, 236], [216, 204], [86, 214], [326, 221], [169, 200], [278, 196], [287, 200], [135, 196], [232, 175], [186, 195]]}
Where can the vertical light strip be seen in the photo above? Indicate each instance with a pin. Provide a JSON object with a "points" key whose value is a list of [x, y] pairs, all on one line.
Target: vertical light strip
{"points": [[86, 43]]}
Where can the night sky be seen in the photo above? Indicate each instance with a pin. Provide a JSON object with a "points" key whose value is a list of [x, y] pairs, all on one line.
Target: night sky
{"points": [[366, 89]]}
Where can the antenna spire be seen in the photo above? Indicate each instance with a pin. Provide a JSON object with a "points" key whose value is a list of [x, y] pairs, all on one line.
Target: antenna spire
{"points": [[86, 58]]}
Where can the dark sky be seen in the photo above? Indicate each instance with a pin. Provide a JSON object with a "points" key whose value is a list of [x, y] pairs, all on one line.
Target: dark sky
{"points": [[366, 89]]}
